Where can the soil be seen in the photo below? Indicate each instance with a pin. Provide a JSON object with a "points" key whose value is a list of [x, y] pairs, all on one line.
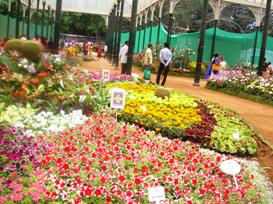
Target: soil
{"points": [[264, 156], [258, 116]]}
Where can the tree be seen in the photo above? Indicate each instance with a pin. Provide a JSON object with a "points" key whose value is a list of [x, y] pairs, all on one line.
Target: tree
{"points": [[83, 24]]}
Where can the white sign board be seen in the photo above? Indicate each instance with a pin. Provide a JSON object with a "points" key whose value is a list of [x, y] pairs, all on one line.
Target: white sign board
{"points": [[156, 194], [105, 75], [118, 98], [231, 167]]}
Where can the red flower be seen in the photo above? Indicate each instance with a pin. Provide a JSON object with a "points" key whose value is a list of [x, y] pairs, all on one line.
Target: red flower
{"points": [[108, 200], [144, 168], [194, 182], [59, 160], [129, 194], [43, 162], [91, 91], [201, 191], [137, 181], [97, 192], [50, 68], [65, 166], [88, 192], [3, 68], [121, 178], [35, 81], [103, 180], [104, 168]]}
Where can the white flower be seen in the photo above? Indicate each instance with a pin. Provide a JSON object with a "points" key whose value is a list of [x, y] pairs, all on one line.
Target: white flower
{"points": [[62, 83], [82, 97], [143, 108], [236, 135]]}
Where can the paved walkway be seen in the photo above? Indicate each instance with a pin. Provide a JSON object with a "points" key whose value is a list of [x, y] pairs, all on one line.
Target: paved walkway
{"points": [[259, 116]]}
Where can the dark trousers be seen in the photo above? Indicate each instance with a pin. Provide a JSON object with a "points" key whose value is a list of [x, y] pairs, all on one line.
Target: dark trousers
{"points": [[123, 68], [162, 71]]}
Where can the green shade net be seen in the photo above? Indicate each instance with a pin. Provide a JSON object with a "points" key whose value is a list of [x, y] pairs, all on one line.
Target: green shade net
{"points": [[22, 29], [233, 47]]}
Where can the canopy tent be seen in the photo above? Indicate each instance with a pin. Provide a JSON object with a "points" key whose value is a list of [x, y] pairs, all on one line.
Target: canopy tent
{"points": [[103, 7]]}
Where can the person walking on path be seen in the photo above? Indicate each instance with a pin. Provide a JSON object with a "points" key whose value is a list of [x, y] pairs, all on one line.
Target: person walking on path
{"points": [[148, 61], [164, 66], [123, 56]]}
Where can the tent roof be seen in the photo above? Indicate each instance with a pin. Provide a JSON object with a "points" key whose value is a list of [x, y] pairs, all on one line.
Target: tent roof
{"points": [[103, 7]]}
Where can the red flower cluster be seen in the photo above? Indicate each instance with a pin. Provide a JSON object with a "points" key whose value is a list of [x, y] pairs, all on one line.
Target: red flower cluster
{"points": [[103, 162]]}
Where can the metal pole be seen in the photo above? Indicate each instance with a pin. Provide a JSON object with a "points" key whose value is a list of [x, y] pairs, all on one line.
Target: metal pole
{"points": [[23, 23], [52, 24], [57, 28], [201, 44], [158, 31], [36, 20], [43, 21], [263, 47], [28, 19], [8, 19], [17, 19], [111, 35], [119, 31], [255, 46], [116, 34], [48, 18], [151, 31], [138, 43], [213, 38], [132, 37], [170, 28], [144, 36]]}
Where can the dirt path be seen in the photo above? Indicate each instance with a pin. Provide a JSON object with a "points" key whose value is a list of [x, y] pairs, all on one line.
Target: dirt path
{"points": [[259, 116]]}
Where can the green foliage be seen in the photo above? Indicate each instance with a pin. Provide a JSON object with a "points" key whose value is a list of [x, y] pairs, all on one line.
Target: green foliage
{"points": [[82, 24], [231, 134], [12, 113]]}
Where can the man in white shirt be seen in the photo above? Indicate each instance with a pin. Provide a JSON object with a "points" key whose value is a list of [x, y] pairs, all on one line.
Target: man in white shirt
{"points": [[105, 49], [164, 67], [123, 55]]}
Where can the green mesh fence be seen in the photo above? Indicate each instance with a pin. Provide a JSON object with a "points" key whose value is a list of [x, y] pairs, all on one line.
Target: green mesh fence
{"points": [[22, 28], [233, 46]]}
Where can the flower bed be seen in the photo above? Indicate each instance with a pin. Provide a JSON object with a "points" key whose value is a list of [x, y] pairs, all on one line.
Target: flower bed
{"points": [[247, 85], [185, 117], [104, 161]]}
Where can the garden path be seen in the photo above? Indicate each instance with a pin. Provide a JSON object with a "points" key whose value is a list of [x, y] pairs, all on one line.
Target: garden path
{"points": [[259, 116]]}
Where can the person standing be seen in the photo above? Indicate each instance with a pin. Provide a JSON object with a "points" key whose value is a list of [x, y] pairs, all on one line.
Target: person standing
{"points": [[164, 66], [105, 49], [123, 56], [223, 64], [148, 61]]}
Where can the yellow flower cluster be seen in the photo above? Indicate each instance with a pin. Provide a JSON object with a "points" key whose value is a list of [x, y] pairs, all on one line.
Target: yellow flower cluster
{"points": [[178, 111], [133, 87]]}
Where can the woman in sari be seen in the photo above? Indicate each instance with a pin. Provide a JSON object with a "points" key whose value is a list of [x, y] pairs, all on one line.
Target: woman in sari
{"points": [[214, 62]]}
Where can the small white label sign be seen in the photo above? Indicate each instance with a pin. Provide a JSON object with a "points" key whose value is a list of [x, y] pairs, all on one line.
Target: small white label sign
{"points": [[230, 167], [118, 98], [156, 194], [105, 75]]}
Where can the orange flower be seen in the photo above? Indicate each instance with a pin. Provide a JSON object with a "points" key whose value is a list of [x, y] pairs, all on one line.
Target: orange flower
{"points": [[27, 83], [42, 74], [23, 89], [50, 68], [16, 93], [35, 81]]}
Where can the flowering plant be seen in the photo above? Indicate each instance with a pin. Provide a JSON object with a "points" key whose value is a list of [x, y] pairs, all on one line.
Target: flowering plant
{"points": [[247, 84], [183, 116]]}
